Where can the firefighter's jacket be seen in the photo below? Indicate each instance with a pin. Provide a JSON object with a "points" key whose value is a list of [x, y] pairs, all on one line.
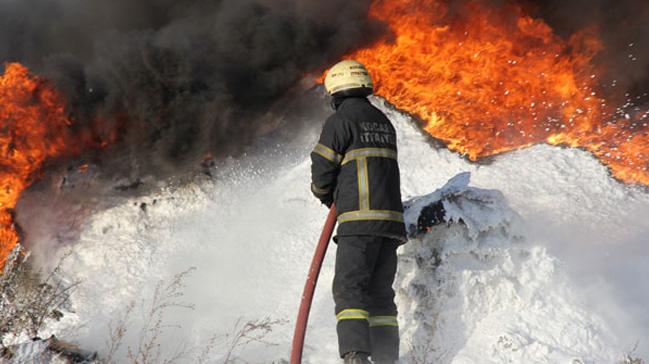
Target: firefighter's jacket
{"points": [[355, 165]]}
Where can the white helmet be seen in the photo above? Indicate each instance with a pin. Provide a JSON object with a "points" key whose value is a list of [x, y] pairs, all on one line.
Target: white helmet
{"points": [[348, 78]]}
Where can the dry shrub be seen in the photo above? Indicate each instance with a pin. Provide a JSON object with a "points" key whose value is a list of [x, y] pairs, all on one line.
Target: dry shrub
{"points": [[167, 296], [27, 301]]}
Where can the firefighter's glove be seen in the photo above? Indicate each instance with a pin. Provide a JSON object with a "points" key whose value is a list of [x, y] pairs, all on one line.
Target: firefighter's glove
{"points": [[325, 195], [327, 201]]}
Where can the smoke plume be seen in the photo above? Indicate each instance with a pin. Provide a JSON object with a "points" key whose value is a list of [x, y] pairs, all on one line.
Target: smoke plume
{"points": [[178, 79]]}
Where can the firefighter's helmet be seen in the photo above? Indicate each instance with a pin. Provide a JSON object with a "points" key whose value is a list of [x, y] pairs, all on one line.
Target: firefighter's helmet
{"points": [[348, 78]]}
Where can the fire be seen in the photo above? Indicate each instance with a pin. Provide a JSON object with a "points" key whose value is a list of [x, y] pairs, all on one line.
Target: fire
{"points": [[33, 129], [495, 80]]}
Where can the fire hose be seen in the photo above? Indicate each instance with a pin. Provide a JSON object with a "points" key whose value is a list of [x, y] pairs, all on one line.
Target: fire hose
{"points": [[309, 287]]}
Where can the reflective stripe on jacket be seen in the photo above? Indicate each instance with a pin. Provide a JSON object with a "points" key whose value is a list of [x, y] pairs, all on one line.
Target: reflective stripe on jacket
{"points": [[355, 162]]}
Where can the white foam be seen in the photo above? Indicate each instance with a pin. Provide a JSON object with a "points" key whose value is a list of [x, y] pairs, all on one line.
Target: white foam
{"points": [[251, 235]]}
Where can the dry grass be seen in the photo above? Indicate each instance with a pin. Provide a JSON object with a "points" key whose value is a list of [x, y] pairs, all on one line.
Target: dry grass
{"points": [[245, 333], [148, 350], [27, 300], [631, 358]]}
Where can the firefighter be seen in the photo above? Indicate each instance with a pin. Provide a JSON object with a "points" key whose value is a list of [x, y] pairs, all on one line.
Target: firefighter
{"points": [[355, 165]]}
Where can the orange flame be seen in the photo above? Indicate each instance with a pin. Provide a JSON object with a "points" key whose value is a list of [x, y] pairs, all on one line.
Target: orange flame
{"points": [[33, 128], [497, 80]]}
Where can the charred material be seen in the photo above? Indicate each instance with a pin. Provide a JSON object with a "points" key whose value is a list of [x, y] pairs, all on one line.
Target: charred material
{"points": [[430, 216]]}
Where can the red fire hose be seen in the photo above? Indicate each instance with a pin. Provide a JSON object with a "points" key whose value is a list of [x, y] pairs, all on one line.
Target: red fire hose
{"points": [[309, 287]]}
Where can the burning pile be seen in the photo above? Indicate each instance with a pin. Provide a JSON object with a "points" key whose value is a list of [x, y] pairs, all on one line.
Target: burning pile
{"points": [[33, 129], [488, 80]]}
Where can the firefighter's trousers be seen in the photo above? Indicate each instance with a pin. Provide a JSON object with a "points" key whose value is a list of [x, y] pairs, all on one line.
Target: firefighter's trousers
{"points": [[362, 290]]}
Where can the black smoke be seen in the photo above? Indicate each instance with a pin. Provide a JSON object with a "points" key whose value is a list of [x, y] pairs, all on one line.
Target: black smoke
{"points": [[178, 78]]}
